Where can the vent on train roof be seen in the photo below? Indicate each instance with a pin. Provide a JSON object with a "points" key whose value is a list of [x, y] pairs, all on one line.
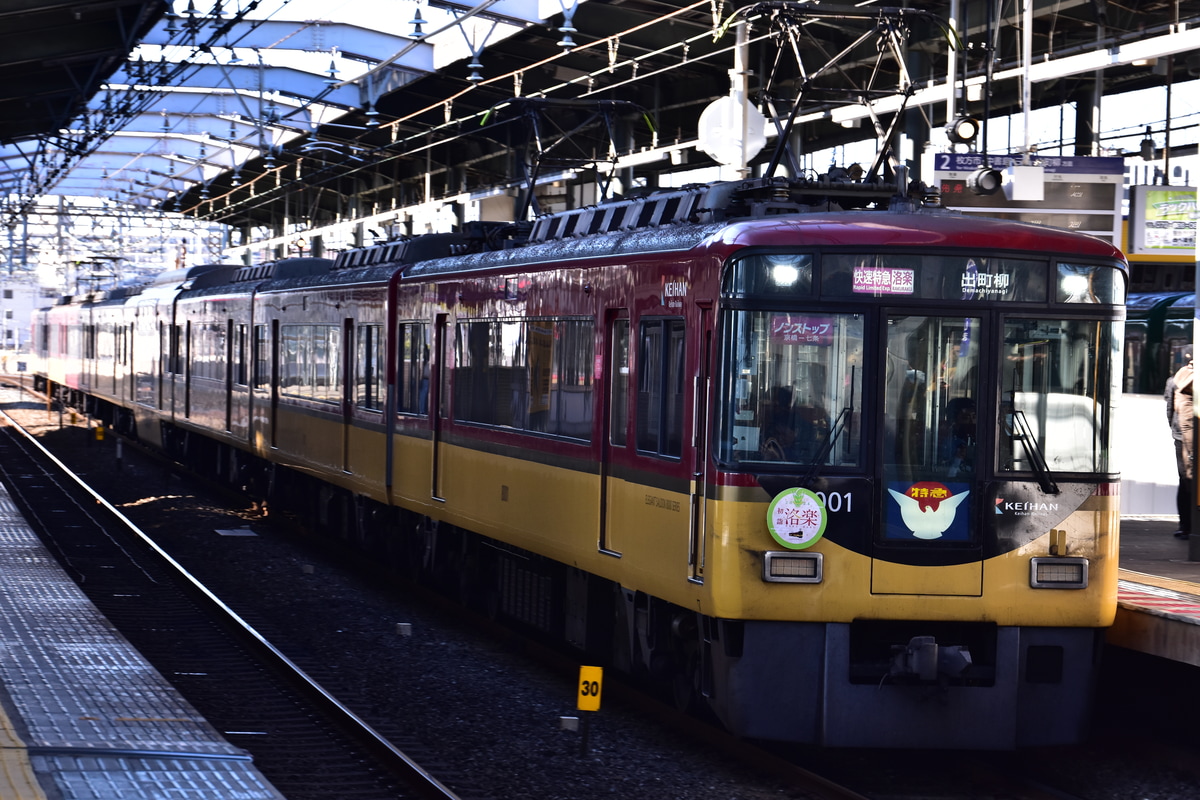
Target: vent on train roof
{"points": [[477, 236], [404, 251], [184, 276], [682, 205], [284, 268], [837, 190], [214, 277]]}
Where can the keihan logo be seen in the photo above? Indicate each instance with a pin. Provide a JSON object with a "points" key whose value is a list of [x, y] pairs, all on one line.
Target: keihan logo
{"points": [[1023, 509], [674, 292], [928, 508]]}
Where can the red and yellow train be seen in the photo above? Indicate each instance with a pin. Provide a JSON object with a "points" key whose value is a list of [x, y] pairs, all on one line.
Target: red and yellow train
{"points": [[842, 477]]}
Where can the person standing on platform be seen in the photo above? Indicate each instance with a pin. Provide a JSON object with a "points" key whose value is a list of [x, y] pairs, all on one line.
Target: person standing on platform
{"points": [[1178, 396]]}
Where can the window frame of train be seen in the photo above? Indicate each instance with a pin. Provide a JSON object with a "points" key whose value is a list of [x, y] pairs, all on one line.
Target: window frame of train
{"points": [[770, 317], [370, 375], [413, 350], [311, 347], [523, 373], [1076, 286], [261, 378], [618, 392], [661, 384], [1055, 414], [208, 350], [238, 344], [786, 281]]}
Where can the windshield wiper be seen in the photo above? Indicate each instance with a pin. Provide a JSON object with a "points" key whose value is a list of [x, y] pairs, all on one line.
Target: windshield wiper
{"points": [[1019, 429], [831, 436]]}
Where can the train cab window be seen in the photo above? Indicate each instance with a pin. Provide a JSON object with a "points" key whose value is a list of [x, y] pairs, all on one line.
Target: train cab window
{"points": [[931, 374], [769, 274], [1090, 284], [792, 388], [661, 384], [1056, 393]]}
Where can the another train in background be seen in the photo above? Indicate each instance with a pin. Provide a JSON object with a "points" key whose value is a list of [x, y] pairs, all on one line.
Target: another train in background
{"points": [[1158, 341], [838, 476]]}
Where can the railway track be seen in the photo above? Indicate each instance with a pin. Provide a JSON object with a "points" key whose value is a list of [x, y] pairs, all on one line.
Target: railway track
{"points": [[301, 737]]}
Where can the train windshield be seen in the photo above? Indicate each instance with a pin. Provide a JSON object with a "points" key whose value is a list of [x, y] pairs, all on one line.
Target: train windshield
{"points": [[1056, 385], [797, 388], [931, 387]]}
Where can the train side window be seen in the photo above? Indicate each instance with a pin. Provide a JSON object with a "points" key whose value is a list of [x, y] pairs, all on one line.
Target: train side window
{"points": [[208, 351], [618, 420], [310, 362], [177, 345], [369, 374], [262, 357], [528, 374], [240, 373], [412, 375], [660, 387], [164, 349]]}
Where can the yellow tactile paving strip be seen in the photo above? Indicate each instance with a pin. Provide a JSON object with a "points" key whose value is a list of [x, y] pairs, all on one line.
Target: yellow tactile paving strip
{"points": [[17, 778]]}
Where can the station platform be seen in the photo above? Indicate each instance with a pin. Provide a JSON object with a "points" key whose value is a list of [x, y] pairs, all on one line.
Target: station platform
{"points": [[82, 715], [1158, 592]]}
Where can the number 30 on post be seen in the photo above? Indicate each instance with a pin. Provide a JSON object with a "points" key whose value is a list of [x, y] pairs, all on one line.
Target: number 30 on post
{"points": [[590, 681]]}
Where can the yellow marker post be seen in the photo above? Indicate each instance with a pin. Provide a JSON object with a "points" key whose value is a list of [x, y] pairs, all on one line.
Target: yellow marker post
{"points": [[591, 681]]}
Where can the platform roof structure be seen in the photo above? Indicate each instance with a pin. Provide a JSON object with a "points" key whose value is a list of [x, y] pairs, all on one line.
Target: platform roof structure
{"points": [[264, 113]]}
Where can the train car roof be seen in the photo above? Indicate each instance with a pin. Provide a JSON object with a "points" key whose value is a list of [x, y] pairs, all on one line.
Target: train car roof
{"points": [[932, 228], [841, 229], [1145, 301]]}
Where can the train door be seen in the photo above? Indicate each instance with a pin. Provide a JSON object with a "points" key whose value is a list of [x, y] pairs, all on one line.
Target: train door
{"points": [[230, 362], [273, 415], [700, 414], [188, 350], [438, 377], [347, 391], [930, 461], [616, 422]]}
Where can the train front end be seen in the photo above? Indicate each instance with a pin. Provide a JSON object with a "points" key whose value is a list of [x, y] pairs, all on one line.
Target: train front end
{"points": [[914, 516]]}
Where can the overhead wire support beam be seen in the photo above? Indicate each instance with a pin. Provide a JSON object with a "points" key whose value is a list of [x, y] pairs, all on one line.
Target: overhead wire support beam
{"points": [[888, 31]]}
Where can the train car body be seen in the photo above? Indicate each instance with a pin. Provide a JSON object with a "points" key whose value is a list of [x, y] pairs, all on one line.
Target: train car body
{"points": [[842, 477]]}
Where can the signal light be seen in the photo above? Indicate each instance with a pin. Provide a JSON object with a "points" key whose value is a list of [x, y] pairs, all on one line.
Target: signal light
{"points": [[985, 180], [963, 130]]}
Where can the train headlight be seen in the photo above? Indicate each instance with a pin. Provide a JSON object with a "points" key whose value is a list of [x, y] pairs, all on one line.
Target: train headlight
{"points": [[785, 275], [786, 567], [1058, 573]]}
